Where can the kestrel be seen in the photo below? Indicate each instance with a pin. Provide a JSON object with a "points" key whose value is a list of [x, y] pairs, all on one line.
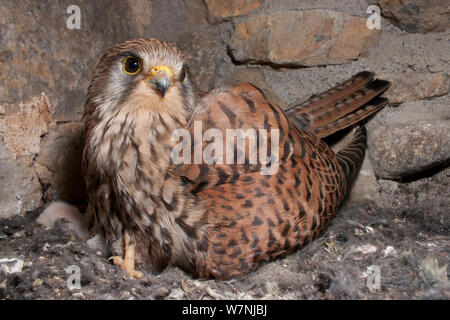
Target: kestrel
{"points": [[217, 219]]}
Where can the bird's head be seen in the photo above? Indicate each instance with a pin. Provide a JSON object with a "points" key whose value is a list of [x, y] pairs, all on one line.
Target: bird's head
{"points": [[141, 74]]}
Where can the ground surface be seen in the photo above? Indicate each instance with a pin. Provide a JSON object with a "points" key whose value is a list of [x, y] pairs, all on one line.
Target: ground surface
{"points": [[411, 248]]}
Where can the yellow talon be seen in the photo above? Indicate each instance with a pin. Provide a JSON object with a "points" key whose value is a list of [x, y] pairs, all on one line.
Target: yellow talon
{"points": [[127, 263]]}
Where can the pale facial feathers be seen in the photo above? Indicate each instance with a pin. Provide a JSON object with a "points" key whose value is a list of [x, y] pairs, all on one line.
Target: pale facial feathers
{"points": [[111, 86]]}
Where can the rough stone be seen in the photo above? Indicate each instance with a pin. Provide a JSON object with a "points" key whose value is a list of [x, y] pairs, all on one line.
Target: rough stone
{"points": [[412, 86], [202, 49], [20, 190], [141, 14], [196, 13], [418, 15], [43, 55], [302, 38], [398, 52], [21, 129], [410, 138], [220, 10], [400, 150], [412, 112]]}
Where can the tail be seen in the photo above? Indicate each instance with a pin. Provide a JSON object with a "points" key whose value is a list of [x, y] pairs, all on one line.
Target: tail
{"points": [[340, 107], [351, 157]]}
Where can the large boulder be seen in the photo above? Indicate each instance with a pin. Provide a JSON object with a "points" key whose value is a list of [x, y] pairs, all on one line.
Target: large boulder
{"points": [[410, 139], [411, 86], [302, 38], [21, 128], [418, 15]]}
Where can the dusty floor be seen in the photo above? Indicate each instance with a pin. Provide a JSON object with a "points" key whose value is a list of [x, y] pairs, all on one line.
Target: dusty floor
{"points": [[410, 247]]}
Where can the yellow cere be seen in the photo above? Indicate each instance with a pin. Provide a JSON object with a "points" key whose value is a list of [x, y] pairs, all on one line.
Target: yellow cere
{"points": [[157, 69]]}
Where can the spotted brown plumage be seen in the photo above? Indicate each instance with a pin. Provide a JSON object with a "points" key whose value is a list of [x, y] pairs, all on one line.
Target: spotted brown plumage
{"points": [[214, 220]]}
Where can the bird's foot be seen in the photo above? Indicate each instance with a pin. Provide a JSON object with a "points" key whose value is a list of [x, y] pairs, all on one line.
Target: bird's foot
{"points": [[126, 266], [127, 263]]}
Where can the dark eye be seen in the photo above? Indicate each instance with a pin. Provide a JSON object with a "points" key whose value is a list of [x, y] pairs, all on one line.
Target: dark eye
{"points": [[131, 65], [183, 73]]}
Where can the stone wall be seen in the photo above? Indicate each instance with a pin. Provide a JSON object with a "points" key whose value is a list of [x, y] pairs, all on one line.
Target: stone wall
{"points": [[46, 70], [291, 48]]}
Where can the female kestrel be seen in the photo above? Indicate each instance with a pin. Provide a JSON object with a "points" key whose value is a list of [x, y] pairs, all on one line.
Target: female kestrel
{"points": [[212, 219]]}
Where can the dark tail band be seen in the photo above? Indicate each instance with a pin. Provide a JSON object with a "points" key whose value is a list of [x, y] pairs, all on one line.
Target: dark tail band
{"points": [[351, 157]]}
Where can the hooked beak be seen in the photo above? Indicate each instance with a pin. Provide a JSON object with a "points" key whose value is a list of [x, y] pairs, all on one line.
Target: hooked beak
{"points": [[161, 78]]}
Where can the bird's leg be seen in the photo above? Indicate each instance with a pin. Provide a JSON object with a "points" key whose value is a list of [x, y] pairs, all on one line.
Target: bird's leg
{"points": [[127, 263]]}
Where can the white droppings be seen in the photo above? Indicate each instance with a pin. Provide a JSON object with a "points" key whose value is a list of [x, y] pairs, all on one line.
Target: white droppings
{"points": [[369, 229], [389, 250], [10, 266], [366, 249]]}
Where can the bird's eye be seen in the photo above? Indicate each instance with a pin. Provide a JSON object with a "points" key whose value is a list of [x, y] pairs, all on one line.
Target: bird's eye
{"points": [[131, 65], [183, 73]]}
